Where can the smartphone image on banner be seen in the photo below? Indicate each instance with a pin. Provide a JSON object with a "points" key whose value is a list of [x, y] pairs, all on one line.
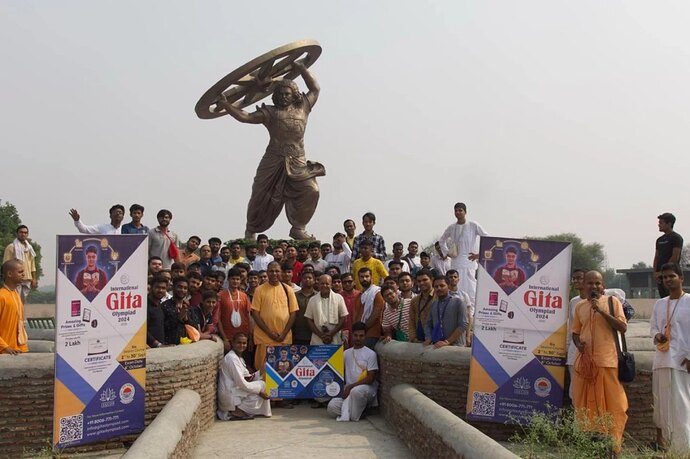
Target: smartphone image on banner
{"points": [[504, 306], [76, 308], [86, 316], [493, 298]]}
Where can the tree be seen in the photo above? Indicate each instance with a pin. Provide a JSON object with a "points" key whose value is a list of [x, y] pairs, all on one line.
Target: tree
{"points": [[9, 221], [585, 256], [640, 265]]}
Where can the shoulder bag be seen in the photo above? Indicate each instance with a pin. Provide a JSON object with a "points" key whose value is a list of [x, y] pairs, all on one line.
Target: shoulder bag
{"points": [[626, 360]]}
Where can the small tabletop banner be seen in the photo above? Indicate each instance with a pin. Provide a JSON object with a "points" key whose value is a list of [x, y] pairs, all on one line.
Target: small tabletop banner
{"points": [[298, 372]]}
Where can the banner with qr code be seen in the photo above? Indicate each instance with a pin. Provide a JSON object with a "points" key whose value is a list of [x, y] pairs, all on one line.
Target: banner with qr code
{"points": [[100, 337], [294, 372], [520, 324]]}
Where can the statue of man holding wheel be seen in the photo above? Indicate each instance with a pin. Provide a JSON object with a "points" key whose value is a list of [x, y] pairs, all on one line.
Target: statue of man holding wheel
{"points": [[284, 176]]}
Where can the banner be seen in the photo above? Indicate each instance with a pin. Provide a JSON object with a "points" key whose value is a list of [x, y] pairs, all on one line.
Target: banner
{"points": [[304, 371], [520, 324], [100, 342]]}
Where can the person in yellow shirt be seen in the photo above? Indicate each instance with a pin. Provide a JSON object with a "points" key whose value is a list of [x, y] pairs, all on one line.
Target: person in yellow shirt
{"points": [[20, 249], [596, 388], [366, 260], [274, 309], [13, 339]]}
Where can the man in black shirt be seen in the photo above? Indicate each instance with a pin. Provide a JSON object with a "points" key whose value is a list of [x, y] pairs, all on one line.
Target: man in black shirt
{"points": [[176, 311], [668, 249], [155, 317]]}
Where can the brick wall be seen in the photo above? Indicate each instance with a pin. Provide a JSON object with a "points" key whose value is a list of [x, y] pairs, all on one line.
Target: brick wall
{"points": [[26, 394], [418, 438], [443, 375], [431, 431]]}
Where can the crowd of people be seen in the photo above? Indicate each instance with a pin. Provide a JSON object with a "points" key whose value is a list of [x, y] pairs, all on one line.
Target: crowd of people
{"points": [[350, 292]]}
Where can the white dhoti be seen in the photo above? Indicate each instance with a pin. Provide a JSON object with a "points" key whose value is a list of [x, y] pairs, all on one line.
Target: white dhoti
{"points": [[468, 281], [234, 391], [671, 392], [351, 408]]}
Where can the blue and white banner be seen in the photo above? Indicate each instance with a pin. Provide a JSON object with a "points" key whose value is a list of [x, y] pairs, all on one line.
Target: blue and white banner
{"points": [[100, 342], [296, 371], [520, 325]]}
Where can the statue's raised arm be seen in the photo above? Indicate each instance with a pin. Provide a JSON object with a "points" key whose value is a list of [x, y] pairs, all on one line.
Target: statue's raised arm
{"points": [[310, 81]]}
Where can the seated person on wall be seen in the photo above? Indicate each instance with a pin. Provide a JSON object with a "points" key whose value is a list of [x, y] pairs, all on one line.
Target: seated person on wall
{"points": [[361, 368], [446, 324], [241, 394]]}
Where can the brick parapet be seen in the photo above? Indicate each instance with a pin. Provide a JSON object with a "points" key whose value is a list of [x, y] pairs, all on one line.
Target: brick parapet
{"points": [[27, 385]]}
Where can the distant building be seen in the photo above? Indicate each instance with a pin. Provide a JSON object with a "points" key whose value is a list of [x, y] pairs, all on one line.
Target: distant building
{"points": [[642, 283]]}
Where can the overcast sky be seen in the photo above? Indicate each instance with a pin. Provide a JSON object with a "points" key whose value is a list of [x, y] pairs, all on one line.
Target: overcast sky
{"points": [[543, 116]]}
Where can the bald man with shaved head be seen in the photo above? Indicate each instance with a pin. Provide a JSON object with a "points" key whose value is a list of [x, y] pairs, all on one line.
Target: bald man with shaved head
{"points": [[13, 339], [597, 391], [326, 313]]}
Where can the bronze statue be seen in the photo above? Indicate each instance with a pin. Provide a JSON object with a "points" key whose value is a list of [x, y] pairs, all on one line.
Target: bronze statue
{"points": [[284, 176]]}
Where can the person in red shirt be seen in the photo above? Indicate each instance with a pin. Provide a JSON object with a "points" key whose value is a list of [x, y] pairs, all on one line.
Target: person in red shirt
{"points": [[510, 276], [234, 310]]}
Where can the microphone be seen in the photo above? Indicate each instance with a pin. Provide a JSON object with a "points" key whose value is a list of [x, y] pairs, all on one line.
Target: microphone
{"points": [[594, 295]]}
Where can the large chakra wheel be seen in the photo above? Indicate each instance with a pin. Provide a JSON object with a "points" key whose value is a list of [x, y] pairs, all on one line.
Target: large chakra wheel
{"points": [[257, 79]]}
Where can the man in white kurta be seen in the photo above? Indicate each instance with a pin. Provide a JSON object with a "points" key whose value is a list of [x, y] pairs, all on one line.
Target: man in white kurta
{"points": [[459, 242], [361, 367], [326, 314], [238, 397], [670, 377]]}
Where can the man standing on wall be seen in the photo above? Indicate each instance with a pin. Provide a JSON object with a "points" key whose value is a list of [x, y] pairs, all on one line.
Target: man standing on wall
{"points": [[458, 242], [668, 248], [162, 241], [117, 214]]}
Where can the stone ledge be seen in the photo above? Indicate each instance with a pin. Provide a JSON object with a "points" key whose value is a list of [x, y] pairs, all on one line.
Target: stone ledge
{"points": [[161, 437], [459, 438], [453, 355]]}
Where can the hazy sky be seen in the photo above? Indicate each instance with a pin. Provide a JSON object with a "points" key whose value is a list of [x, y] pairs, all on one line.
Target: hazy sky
{"points": [[543, 116]]}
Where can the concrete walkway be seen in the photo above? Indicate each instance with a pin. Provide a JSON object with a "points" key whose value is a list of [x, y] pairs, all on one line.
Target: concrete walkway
{"points": [[301, 432]]}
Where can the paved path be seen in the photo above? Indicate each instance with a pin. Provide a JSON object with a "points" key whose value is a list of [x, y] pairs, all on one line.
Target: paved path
{"points": [[304, 433]]}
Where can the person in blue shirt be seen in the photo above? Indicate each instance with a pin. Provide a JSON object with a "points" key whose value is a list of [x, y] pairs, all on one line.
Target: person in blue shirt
{"points": [[136, 211]]}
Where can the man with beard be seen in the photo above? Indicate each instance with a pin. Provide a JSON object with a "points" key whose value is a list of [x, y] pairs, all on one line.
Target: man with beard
{"points": [[369, 308], [162, 241], [188, 255], [176, 311], [301, 333], [155, 317], [361, 368]]}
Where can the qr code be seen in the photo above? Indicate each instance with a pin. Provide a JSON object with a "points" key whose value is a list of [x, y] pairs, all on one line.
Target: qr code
{"points": [[273, 393], [483, 403], [71, 428]]}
